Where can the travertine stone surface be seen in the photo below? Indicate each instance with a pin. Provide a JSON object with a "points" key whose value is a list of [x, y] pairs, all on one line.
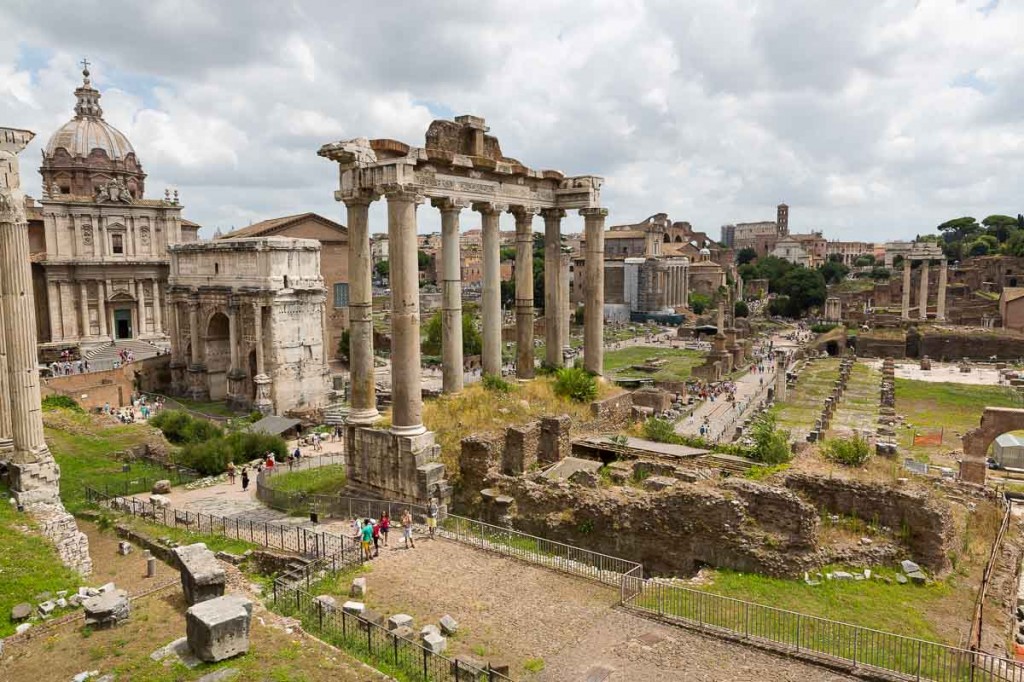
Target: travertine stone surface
{"points": [[202, 576]]}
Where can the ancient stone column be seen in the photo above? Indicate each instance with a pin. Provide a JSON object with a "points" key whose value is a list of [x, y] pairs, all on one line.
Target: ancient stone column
{"points": [[593, 314], [233, 336], [564, 310], [53, 301], [452, 361], [5, 401], [524, 291], [940, 304], [101, 305], [686, 283], [905, 312], [406, 388], [67, 311], [83, 308], [490, 304], [257, 312], [158, 313], [923, 301], [553, 320], [193, 328], [363, 394]]}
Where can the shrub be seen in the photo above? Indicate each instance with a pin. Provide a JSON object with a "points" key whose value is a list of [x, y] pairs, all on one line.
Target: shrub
{"points": [[852, 452], [211, 456], [576, 384], [182, 428], [61, 402], [741, 309], [823, 327], [771, 444], [494, 382], [660, 431], [699, 303]]}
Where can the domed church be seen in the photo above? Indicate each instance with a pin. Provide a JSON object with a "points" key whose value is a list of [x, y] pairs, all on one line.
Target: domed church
{"points": [[99, 245]]}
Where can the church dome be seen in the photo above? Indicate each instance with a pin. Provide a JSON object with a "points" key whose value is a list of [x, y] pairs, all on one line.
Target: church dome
{"points": [[82, 134]]}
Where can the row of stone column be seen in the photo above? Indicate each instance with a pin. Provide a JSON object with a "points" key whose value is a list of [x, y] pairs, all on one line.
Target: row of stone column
{"points": [[405, 322], [67, 322], [677, 288], [940, 303]]}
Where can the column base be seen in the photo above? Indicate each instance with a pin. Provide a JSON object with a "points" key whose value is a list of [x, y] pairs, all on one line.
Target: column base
{"points": [[6, 449], [409, 431], [197, 389], [363, 417]]}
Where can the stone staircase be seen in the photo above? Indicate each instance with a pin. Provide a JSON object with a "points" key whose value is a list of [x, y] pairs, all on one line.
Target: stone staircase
{"points": [[335, 414], [105, 356]]}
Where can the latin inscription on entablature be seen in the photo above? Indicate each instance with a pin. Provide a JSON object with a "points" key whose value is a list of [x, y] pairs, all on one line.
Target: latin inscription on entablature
{"points": [[480, 188]]}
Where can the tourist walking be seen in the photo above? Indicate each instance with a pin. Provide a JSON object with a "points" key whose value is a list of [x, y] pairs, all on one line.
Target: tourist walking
{"points": [[367, 539], [407, 529], [385, 525], [245, 479], [376, 539], [432, 517], [231, 473]]}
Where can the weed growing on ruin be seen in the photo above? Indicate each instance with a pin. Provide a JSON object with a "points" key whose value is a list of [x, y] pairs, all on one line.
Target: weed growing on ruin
{"points": [[771, 444], [576, 384], [494, 382], [60, 402], [851, 452], [762, 472], [533, 665]]}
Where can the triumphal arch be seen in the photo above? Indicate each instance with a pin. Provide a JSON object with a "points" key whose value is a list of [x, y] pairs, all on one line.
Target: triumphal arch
{"points": [[459, 167]]}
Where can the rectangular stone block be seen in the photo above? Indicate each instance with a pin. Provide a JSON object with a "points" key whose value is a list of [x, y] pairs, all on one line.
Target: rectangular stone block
{"points": [[202, 576], [521, 445], [218, 628], [399, 620]]}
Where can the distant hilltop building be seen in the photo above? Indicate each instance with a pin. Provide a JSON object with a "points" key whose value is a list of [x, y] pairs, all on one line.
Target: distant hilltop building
{"points": [[98, 245], [760, 236]]}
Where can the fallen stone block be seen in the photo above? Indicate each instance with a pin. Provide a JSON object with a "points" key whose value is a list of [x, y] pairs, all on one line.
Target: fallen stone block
{"points": [[358, 587], [218, 628], [404, 632], [500, 667], [435, 643], [159, 501], [233, 559], [354, 608], [901, 579], [124, 548], [918, 578], [21, 612], [429, 628], [909, 566], [202, 577], [449, 626], [46, 608], [24, 627], [399, 620], [107, 609], [61, 603], [161, 487], [326, 603], [467, 668], [842, 575], [370, 618]]}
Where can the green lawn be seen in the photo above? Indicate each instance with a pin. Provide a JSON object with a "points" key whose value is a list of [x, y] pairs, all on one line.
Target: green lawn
{"points": [[28, 565], [953, 408], [858, 408], [213, 409], [678, 366], [89, 453], [215, 542], [805, 400], [320, 481]]}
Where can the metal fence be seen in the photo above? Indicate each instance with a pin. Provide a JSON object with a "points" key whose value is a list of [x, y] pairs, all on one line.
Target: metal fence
{"points": [[290, 538], [388, 652], [860, 648], [508, 542], [132, 485]]}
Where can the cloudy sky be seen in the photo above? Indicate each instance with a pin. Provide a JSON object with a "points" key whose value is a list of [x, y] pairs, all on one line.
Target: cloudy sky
{"points": [[872, 119]]}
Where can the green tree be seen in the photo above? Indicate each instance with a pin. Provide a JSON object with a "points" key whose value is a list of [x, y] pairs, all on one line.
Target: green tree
{"points": [[433, 334], [507, 253], [699, 303], [833, 271], [805, 289], [771, 444], [422, 259], [1000, 226], [508, 293], [1015, 244], [745, 255], [343, 344], [864, 260], [981, 246], [382, 268], [740, 309]]}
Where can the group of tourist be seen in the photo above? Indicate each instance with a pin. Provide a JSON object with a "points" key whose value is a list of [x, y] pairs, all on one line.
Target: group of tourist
{"points": [[370, 534], [66, 367], [140, 408]]}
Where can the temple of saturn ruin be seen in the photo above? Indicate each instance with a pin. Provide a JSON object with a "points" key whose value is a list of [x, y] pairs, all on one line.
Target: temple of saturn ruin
{"points": [[459, 167], [34, 475]]}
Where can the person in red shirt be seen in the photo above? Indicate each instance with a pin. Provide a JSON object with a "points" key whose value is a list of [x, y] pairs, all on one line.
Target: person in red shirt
{"points": [[385, 526]]}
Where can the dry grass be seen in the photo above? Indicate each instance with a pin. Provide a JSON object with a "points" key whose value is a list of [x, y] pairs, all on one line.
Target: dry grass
{"points": [[478, 411]]}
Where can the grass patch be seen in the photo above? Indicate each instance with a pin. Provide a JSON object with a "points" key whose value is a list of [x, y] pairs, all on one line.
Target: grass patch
{"points": [[678, 365], [183, 536], [28, 564], [318, 481], [215, 409], [90, 451]]}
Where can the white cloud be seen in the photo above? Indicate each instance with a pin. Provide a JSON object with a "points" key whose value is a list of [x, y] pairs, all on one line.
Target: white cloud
{"points": [[871, 119]]}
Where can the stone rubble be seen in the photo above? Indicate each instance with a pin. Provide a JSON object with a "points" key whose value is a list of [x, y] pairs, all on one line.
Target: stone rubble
{"points": [[218, 629]]}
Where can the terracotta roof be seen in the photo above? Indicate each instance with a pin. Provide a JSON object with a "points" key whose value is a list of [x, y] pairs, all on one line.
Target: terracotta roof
{"points": [[1012, 293], [188, 223], [274, 225]]}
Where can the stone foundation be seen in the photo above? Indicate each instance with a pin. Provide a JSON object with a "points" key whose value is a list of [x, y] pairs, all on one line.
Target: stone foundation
{"points": [[60, 528], [402, 468]]}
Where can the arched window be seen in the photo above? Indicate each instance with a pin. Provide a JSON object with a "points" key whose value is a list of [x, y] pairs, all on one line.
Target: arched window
{"points": [[117, 243]]}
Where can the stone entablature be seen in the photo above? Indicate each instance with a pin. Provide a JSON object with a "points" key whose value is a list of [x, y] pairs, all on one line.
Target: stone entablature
{"points": [[247, 323]]}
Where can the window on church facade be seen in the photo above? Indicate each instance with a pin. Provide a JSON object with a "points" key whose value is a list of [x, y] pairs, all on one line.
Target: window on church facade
{"points": [[117, 243], [341, 295]]}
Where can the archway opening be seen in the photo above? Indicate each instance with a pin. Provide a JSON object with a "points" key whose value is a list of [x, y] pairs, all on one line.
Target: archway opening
{"points": [[218, 355]]}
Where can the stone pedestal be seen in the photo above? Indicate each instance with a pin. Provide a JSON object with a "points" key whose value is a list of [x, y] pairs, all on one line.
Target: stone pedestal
{"points": [[219, 629], [198, 388], [263, 404], [404, 468], [202, 577]]}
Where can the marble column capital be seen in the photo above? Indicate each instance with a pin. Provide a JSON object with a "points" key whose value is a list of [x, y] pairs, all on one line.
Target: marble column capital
{"points": [[359, 197], [401, 193], [595, 212], [552, 213], [524, 214], [489, 208], [449, 205]]}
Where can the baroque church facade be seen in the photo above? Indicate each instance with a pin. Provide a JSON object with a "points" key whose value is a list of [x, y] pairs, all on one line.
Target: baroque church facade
{"points": [[98, 244]]}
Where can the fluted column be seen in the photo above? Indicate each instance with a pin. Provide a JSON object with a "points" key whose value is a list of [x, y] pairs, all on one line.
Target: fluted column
{"points": [[193, 329], [406, 387], [233, 336], [490, 304], [257, 311], [5, 400], [140, 294], [905, 309], [101, 305], [940, 304], [593, 314], [563, 308], [524, 291], [553, 322], [686, 283], [83, 309], [452, 361], [67, 311], [363, 396], [53, 302], [158, 314], [923, 301]]}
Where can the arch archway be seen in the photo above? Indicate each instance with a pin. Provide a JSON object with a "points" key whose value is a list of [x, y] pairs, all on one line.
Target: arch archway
{"points": [[679, 239], [667, 239], [995, 421], [218, 355]]}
